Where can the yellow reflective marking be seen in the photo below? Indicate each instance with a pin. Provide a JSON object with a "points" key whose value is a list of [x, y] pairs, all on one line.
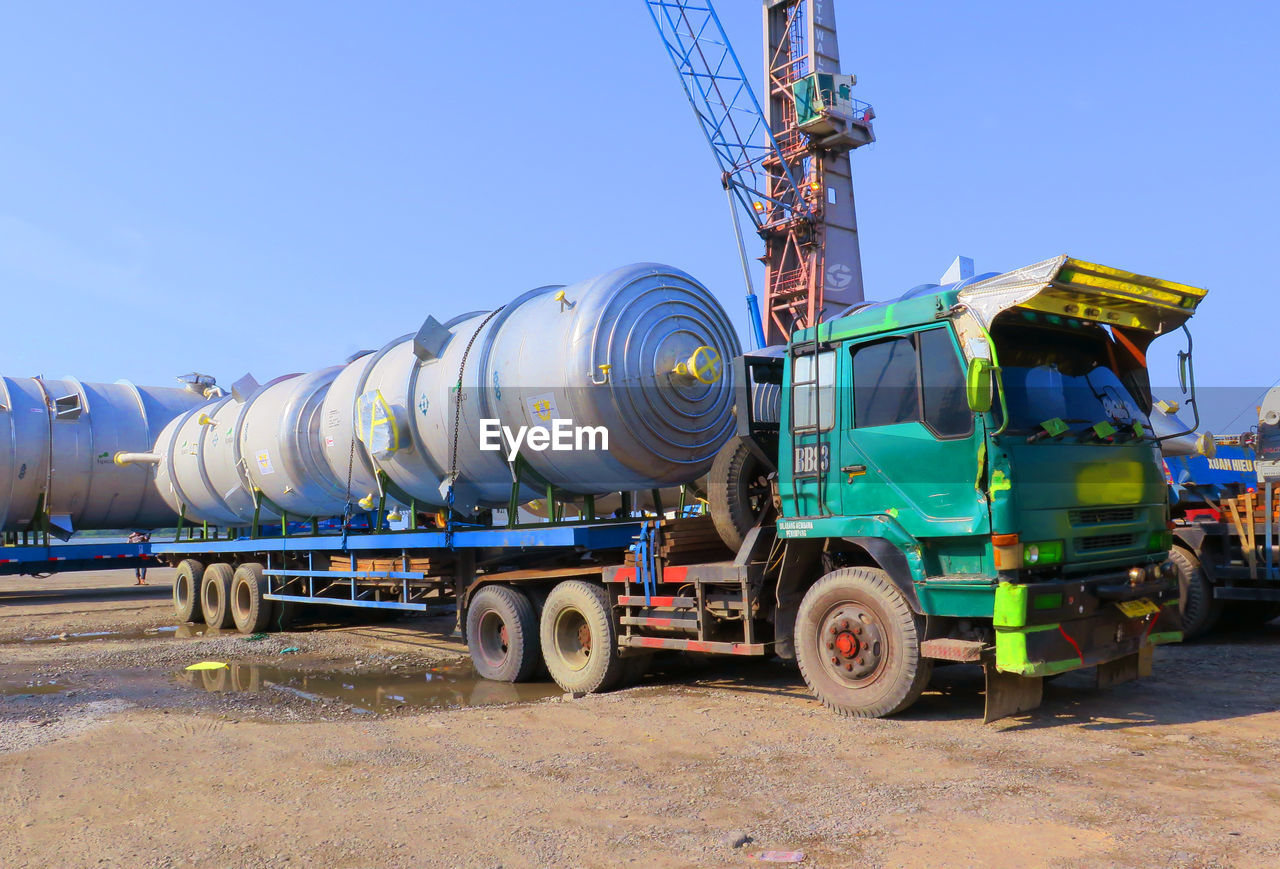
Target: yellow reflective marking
{"points": [[1118, 483]]}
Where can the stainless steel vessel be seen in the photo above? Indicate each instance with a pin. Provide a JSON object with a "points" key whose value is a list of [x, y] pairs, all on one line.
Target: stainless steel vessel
{"points": [[56, 469], [641, 353]]}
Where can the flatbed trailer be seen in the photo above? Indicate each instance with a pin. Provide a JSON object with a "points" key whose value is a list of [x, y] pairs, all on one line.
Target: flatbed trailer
{"points": [[44, 557]]}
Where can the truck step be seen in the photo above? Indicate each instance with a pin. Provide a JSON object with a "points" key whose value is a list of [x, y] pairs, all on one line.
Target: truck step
{"points": [[693, 645], [669, 621], [952, 650], [655, 600]]}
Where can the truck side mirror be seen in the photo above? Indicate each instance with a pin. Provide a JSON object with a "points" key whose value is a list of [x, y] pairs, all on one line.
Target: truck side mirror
{"points": [[977, 386]]}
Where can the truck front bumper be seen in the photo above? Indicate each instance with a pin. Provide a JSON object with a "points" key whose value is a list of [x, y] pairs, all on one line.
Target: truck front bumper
{"points": [[1052, 627]]}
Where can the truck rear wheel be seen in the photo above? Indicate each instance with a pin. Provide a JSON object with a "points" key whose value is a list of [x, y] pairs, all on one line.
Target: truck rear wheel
{"points": [[858, 644], [738, 492], [249, 610], [215, 595], [579, 640], [502, 634], [1200, 611], [186, 591]]}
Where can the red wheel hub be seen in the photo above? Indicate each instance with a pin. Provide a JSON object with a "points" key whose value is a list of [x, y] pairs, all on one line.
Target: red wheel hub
{"points": [[847, 644]]}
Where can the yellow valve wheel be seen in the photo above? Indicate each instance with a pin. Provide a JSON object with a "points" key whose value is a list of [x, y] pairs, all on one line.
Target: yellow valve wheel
{"points": [[703, 365]]}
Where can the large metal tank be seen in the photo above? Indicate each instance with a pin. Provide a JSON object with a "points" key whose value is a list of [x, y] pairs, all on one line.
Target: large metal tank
{"points": [[642, 351], [56, 470]]}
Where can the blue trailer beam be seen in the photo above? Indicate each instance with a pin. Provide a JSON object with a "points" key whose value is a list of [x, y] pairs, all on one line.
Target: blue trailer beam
{"points": [[60, 557], [603, 536]]}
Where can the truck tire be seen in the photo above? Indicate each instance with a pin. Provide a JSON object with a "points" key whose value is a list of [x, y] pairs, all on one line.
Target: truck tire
{"points": [[186, 591], [215, 595], [738, 492], [249, 610], [1200, 611], [502, 634], [858, 644], [579, 640]]}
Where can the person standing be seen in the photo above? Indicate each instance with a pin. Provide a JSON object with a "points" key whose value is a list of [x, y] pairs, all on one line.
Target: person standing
{"points": [[140, 572]]}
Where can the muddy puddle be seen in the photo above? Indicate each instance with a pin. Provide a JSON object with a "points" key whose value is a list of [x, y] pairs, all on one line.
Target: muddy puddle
{"points": [[178, 631], [446, 686], [35, 686]]}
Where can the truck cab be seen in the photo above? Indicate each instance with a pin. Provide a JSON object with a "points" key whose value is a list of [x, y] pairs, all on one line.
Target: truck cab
{"points": [[970, 473]]}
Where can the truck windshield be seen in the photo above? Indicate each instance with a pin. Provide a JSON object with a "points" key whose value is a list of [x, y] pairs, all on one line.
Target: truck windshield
{"points": [[1053, 373]]}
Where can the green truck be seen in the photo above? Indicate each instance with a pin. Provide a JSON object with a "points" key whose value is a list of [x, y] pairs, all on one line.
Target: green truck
{"points": [[965, 474]]}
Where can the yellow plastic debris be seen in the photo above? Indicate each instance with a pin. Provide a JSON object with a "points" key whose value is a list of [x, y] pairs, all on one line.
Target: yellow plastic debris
{"points": [[207, 665]]}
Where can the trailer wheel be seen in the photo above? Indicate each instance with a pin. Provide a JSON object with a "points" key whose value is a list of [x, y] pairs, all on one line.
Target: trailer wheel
{"points": [[1200, 611], [186, 591], [249, 610], [858, 644], [215, 595], [579, 641], [502, 634], [738, 492]]}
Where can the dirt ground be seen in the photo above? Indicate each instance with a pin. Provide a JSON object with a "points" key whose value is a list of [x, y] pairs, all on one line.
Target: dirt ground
{"points": [[351, 745]]}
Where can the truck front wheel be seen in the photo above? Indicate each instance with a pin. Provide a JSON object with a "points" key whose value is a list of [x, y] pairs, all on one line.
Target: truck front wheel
{"points": [[502, 634], [1200, 610], [579, 641], [858, 644]]}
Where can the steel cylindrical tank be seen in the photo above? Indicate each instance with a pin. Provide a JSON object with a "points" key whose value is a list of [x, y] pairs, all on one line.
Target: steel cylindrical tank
{"points": [[640, 353], [62, 436]]}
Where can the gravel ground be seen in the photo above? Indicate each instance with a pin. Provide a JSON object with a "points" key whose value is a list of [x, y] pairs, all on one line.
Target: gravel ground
{"points": [[122, 761]]}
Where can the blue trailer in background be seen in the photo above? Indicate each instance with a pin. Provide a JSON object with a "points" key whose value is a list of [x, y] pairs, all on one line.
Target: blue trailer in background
{"points": [[1224, 540], [45, 557]]}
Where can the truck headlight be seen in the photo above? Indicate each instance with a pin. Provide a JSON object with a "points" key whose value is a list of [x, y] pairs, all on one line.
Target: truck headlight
{"points": [[1042, 552]]}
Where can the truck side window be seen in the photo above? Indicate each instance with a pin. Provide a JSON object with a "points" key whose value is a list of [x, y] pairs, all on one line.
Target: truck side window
{"points": [[886, 383], [946, 410], [816, 398]]}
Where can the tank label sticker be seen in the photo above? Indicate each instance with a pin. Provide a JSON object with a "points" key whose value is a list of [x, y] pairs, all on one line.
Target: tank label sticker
{"points": [[328, 441], [333, 418], [542, 409], [264, 463]]}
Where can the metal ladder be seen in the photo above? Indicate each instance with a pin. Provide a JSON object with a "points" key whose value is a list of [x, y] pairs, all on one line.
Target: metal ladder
{"points": [[811, 349]]}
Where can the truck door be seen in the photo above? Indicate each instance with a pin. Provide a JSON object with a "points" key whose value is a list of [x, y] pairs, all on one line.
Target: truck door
{"points": [[909, 444]]}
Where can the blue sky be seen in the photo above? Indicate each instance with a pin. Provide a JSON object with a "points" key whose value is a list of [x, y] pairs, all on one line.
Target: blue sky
{"points": [[258, 187]]}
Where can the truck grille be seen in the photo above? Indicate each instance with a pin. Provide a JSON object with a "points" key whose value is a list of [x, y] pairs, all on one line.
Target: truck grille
{"points": [[1103, 541], [1102, 516]]}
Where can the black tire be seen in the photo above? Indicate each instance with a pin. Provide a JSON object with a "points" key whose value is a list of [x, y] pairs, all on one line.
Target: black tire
{"points": [[738, 492], [502, 634], [579, 639], [1200, 611], [858, 644], [249, 610], [215, 595], [186, 591]]}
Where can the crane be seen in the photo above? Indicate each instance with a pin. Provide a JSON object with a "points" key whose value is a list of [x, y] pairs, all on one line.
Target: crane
{"points": [[784, 164]]}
